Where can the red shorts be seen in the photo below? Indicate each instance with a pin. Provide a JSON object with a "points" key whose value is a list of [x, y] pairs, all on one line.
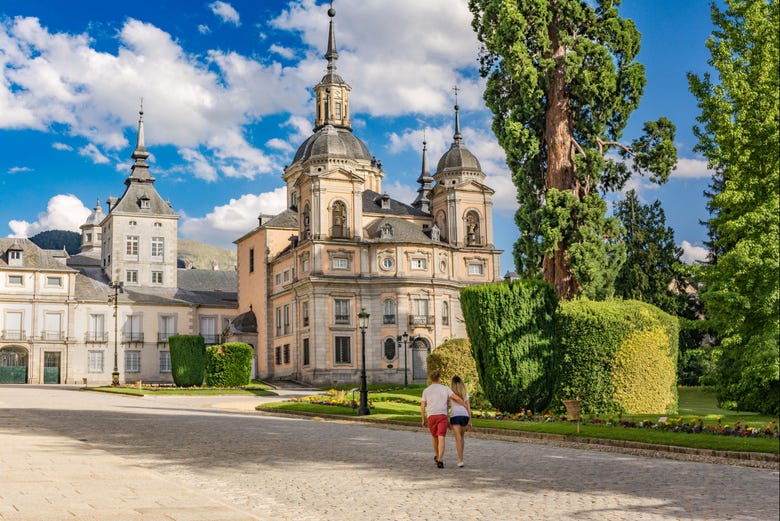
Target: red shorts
{"points": [[437, 424]]}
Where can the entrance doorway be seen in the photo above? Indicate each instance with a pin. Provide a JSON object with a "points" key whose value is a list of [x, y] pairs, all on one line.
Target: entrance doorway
{"points": [[51, 367], [420, 351], [13, 365]]}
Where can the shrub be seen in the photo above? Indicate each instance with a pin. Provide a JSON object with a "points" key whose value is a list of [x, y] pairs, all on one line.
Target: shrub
{"points": [[511, 328], [188, 359], [452, 358], [617, 356], [229, 365], [698, 360]]}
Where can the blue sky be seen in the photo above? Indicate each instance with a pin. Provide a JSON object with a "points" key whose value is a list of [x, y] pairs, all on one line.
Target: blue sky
{"points": [[227, 101]]}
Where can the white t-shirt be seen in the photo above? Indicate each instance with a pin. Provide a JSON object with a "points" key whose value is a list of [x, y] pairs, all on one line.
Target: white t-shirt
{"points": [[436, 397], [457, 409]]}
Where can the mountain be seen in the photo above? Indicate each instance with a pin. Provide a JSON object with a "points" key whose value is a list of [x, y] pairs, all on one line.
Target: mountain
{"points": [[194, 254], [56, 239]]}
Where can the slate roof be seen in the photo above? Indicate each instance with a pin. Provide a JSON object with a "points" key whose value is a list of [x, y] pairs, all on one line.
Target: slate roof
{"points": [[287, 219], [32, 255], [372, 203], [403, 231]]}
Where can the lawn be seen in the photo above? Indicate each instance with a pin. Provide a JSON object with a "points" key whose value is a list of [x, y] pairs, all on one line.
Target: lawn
{"points": [[696, 407], [255, 388]]}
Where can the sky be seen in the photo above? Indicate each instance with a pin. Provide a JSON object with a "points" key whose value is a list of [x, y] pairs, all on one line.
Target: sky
{"points": [[227, 100]]}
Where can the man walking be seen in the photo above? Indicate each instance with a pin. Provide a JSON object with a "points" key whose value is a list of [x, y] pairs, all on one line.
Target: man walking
{"points": [[433, 407]]}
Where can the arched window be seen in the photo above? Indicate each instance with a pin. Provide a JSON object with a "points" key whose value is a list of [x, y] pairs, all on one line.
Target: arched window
{"points": [[387, 231], [441, 222], [390, 350], [306, 221], [445, 313], [472, 229], [339, 220]]}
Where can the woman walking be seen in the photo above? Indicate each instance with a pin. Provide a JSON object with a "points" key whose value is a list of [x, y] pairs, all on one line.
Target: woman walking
{"points": [[460, 415]]}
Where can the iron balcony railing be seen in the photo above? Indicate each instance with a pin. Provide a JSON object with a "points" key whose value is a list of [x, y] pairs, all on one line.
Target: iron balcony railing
{"points": [[132, 336], [96, 337], [210, 338], [388, 319], [340, 232], [53, 335], [14, 334], [421, 320]]}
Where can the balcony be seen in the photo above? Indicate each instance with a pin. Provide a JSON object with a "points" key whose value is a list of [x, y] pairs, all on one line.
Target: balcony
{"points": [[211, 338], [53, 335], [162, 338], [421, 320], [388, 319], [96, 337], [132, 337], [14, 334], [340, 232]]}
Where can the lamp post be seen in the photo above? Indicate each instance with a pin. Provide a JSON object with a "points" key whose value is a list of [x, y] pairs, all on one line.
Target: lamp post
{"points": [[404, 340], [363, 410], [117, 287]]}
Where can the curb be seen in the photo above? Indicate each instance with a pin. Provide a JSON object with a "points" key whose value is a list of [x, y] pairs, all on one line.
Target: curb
{"points": [[750, 459]]}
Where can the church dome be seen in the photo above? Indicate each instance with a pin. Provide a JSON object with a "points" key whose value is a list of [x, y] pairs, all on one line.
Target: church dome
{"points": [[458, 157], [330, 141]]}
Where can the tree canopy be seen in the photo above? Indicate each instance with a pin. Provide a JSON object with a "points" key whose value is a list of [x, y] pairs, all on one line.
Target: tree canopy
{"points": [[739, 135], [562, 83]]}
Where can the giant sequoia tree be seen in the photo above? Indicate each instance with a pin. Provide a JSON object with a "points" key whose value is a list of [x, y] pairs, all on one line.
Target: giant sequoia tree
{"points": [[562, 82], [740, 136]]}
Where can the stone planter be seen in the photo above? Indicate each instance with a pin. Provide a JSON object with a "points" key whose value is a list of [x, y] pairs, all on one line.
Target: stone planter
{"points": [[572, 409]]}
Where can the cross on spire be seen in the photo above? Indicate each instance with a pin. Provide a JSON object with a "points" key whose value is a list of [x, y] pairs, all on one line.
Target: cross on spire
{"points": [[456, 89]]}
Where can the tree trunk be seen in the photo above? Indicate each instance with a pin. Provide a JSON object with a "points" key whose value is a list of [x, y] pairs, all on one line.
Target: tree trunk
{"points": [[560, 167]]}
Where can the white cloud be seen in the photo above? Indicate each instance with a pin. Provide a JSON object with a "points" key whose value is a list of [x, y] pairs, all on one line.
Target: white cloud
{"points": [[17, 169], [284, 52], [692, 168], [226, 223], [64, 212], [225, 12], [91, 151], [204, 29], [61, 146], [693, 254], [279, 144]]}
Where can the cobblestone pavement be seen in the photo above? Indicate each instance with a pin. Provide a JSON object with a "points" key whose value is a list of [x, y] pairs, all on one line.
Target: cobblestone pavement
{"points": [[71, 455]]}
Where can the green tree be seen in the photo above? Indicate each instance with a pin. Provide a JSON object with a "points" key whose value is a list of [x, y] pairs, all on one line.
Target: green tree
{"points": [[652, 258], [562, 83], [739, 135]]}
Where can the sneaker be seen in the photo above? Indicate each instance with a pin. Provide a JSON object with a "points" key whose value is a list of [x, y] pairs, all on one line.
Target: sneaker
{"points": [[460, 463], [440, 464]]}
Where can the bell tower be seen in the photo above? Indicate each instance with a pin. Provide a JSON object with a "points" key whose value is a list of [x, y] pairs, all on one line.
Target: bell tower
{"points": [[332, 92]]}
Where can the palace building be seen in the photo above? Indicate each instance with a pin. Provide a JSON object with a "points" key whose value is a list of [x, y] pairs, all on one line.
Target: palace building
{"points": [[343, 245]]}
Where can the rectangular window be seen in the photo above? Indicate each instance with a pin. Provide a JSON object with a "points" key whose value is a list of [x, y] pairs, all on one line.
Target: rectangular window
{"points": [[305, 265], [306, 360], [131, 246], [287, 319], [419, 264], [341, 311], [305, 314], [286, 353], [278, 356], [158, 246], [133, 361], [475, 269], [96, 331], [343, 351], [251, 260], [286, 275], [167, 327], [208, 330], [131, 276], [165, 361], [278, 279], [157, 277], [340, 263], [52, 326], [15, 280], [419, 316], [54, 282], [14, 255], [389, 315], [95, 361], [133, 329], [14, 330], [278, 321]]}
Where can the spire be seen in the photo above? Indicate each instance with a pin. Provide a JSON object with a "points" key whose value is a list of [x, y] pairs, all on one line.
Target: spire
{"points": [[426, 183], [140, 168], [332, 55], [457, 137]]}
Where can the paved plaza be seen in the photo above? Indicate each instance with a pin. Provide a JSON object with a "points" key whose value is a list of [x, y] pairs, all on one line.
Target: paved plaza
{"points": [[67, 454]]}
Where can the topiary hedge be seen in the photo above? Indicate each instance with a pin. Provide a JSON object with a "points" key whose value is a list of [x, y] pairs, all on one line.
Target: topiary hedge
{"points": [[188, 359], [229, 365], [617, 356], [511, 328], [454, 357]]}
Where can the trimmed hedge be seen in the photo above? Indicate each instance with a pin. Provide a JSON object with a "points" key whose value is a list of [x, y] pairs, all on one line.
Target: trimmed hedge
{"points": [[454, 357], [617, 356], [511, 328], [188, 359], [229, 365]]}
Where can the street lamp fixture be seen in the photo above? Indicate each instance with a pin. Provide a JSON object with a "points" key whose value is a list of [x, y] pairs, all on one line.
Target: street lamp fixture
{"points": [[363, 410], [404, 340], [117, 287]]}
